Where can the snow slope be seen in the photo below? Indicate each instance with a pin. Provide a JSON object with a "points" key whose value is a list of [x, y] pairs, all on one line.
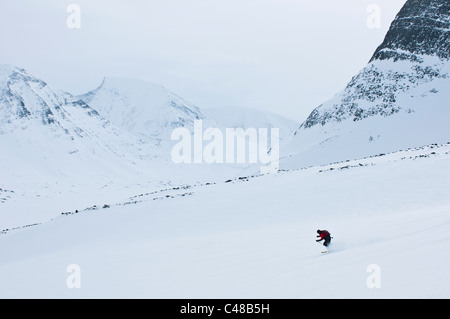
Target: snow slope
{"points": [[253, 238]]}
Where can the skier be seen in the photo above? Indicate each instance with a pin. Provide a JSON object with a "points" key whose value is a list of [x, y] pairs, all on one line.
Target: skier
{"points": [[324, 235]]}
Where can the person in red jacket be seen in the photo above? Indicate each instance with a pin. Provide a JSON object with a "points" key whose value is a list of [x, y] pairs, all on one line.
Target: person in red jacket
{"points": [[324, 235]]}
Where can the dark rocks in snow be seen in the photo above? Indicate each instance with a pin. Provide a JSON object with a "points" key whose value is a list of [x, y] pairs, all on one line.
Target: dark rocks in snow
{"points": [[425, 154], [6, 230], [5, 195]]}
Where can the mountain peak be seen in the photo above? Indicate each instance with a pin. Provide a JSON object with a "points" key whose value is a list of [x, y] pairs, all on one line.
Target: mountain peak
{"points": [[419, 37], [398, 100], [8, 71], [126, 86], [142, 107], [23, 96], [422, 27]]}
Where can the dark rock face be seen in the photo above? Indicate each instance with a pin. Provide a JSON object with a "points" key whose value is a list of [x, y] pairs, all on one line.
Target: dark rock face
{"points": [[422, 27]]}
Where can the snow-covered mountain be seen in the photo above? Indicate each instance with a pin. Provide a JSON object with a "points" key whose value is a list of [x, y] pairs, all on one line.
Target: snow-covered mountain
{"points": [[399, 100], [55, 146], [48, 124], [144, 109], [152, 112], [58, 150]]}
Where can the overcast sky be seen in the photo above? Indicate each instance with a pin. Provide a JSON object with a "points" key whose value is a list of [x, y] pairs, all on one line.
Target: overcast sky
{"points": [[284, 56]]}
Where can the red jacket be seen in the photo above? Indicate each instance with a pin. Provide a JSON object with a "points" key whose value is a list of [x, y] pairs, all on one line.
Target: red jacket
{"points": [[323, 234]]}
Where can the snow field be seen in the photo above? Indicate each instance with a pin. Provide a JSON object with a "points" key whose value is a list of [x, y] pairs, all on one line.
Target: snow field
{"points": [[253, 239]]}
